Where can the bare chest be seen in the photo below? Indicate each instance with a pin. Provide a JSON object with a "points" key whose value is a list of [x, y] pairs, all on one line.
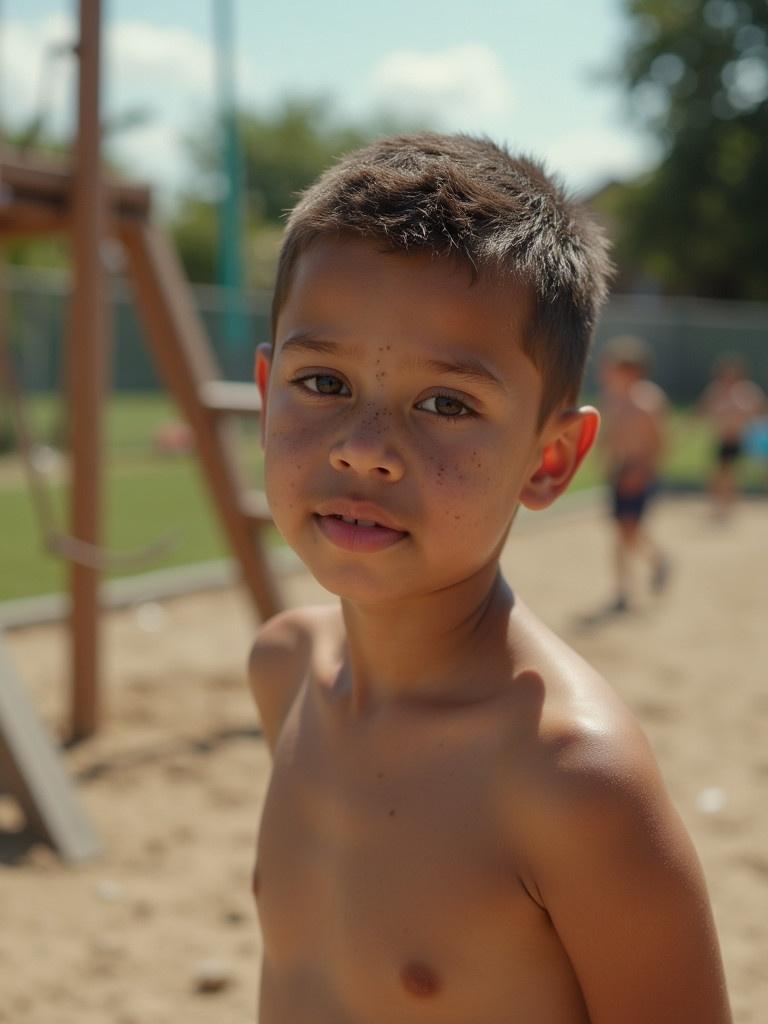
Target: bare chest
{"points": [[383, 879]]}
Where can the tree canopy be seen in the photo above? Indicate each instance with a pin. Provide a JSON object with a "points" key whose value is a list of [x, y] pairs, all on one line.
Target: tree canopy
{"points": [[697, 76], [283, 150]]}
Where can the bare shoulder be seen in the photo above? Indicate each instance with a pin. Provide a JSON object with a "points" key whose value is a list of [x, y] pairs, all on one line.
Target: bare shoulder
{"points": [[594, 768], [590, 755], [282, 657], [604, 852], [589, 747]]}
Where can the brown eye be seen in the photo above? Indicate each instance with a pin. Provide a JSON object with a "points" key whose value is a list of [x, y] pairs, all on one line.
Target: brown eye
{"points": [[325, 384], [444, 405]]}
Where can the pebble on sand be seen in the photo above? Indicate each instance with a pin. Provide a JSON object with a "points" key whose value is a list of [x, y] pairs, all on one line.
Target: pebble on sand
{"points": [[213, 976]]}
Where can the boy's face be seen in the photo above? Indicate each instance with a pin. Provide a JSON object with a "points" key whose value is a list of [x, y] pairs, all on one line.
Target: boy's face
{"points": [[398, 394]]}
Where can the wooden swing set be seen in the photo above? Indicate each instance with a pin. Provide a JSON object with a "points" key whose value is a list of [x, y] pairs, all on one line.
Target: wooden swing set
{"points": [[37, 198]]}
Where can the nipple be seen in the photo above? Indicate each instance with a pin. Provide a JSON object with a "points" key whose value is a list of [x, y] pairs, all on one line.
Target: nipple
{"points": [[255, 883], [420, 980]]}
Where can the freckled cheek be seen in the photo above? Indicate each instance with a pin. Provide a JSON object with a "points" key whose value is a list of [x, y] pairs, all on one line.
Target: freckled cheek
{"points": [[463, 476], [467, 489], [291, 452]]}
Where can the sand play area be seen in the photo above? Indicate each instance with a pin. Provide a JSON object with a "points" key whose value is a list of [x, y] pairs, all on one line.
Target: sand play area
{"points": [[161, 929]]}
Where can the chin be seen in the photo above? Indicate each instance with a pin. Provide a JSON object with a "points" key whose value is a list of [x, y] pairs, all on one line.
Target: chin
{"points": [[359, 583], [369, 585]]}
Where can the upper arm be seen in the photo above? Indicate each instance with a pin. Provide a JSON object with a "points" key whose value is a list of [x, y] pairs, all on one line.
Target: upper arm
{"points": [[621, 882], [277, 665]]}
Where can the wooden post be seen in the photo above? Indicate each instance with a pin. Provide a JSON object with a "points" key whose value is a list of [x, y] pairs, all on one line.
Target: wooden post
{"points": [[87, 371]]}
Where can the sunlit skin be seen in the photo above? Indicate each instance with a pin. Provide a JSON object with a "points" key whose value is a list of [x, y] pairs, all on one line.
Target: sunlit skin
{"points": [[634, 411], [463, 822], [404, 429], [730, 402]]}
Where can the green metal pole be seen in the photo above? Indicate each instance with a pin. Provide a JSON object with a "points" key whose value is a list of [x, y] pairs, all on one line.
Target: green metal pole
{"points": [[231, 205]]}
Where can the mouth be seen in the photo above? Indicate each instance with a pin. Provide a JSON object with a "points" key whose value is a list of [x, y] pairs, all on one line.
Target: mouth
{"points": [[363, 514], [355, 522], [364, 533]]}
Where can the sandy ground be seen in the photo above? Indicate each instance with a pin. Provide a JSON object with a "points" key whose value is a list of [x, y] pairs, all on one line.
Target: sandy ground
{"points": [[174, 781]]}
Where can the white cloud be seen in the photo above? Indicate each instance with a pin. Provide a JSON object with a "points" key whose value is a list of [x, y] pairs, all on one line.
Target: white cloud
{"points": [[164, 71], [589, 158], [37, 72], [158, 61], [464, 87], [169, 73]]}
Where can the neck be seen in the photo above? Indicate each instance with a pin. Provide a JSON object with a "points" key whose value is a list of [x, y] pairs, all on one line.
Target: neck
{"points": [[428, 647]]}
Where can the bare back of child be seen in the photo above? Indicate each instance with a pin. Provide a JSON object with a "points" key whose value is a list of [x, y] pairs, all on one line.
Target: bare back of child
{"points": [[464, 823]]}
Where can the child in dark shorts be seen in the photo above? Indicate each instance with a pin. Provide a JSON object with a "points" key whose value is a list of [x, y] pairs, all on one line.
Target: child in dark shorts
{"points": [[731, 402], [729, 451], [630, 502], [634, 412]]}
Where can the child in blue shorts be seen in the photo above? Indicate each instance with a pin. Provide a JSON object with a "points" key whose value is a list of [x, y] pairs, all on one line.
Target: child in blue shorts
{"points": [[634, 413]]}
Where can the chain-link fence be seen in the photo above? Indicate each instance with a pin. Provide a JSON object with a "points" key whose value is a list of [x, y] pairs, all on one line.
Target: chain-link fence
{"points": [[685, 335], [38, 321]]}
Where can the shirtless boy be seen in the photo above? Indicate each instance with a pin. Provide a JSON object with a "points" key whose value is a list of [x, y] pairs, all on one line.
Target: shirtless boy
{"points": [[731, 402], [464, 823], [632, 441]]}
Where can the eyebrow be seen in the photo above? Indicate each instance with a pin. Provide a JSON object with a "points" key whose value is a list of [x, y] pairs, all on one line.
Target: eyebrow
{"points": [[302, 341], [471, 371]]}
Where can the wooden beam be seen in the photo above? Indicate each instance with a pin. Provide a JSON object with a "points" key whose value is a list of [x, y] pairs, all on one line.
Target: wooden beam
{"points": [[87, 370], [185, 360], [32, 770], [50, 183], [24, 220]]}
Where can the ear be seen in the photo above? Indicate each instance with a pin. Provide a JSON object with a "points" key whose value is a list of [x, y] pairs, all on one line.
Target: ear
{"points": [[261, 373], [566, 441]]}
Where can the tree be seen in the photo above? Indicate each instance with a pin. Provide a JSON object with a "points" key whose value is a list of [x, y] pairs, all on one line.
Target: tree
{"points": [[284, 150], [697, 76]]}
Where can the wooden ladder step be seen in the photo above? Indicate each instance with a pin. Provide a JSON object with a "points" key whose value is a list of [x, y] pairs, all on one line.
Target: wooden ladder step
{"points": [[225, 396]]}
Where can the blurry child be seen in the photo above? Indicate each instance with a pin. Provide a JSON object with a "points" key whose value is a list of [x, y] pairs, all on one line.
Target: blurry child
{"points": [[464, 823], [731, 403], [632, 442]]}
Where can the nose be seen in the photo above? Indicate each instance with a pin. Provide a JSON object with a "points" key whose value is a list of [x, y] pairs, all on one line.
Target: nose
{"points": [[367, 452]]}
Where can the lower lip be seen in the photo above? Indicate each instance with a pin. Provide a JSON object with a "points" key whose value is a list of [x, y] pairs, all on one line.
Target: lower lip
{"points": [[350, 537]]}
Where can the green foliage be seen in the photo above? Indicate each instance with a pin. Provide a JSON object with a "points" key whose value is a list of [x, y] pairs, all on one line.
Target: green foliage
{"points": [[697, 76], [148, 497], [195, 232], [283, 151]]}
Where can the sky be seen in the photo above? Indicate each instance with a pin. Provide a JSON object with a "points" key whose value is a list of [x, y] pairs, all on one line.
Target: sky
{"points": [[533, 74]]}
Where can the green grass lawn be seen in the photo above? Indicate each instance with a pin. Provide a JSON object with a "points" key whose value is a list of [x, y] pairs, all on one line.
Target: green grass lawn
{"points": [[149, 496]]}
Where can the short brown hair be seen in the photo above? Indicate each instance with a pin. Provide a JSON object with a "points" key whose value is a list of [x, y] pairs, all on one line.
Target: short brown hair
{"points": [[466, 197]]}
